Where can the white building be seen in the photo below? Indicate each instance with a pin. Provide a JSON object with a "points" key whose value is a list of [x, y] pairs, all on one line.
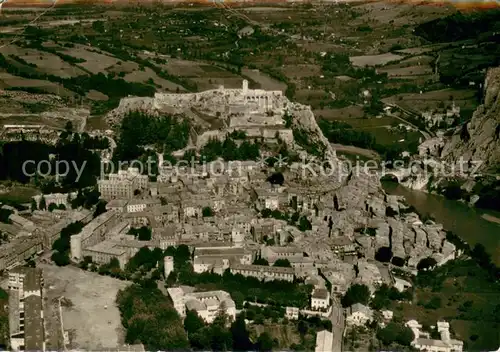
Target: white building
{"points": [[123, 184], [264, 272], [207, 304], [359, 315], [292, 313], [135, 206], [203, 264], [177, 296], [117, 205], [401, 284], [273, 253], [55, 198], [26, 322], [140, 205], [218, 260], [387, 314], [445, 344], [320, 299], [324, 341], [168, 263], [93, 233]]}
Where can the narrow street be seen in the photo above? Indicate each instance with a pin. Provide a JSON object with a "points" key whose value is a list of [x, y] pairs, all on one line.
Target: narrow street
{"points": [[337, 319]]}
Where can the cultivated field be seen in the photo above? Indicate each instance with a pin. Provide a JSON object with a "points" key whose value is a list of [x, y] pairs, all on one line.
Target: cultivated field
{"points": [[465, 99], [374, 60], [263, 80]]}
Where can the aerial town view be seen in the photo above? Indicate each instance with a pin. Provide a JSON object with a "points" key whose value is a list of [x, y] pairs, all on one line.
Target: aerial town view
{"points": [[249, 176]]}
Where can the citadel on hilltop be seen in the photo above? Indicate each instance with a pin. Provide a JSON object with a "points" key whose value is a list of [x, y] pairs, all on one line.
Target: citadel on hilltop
{"points": [[264, 115]]}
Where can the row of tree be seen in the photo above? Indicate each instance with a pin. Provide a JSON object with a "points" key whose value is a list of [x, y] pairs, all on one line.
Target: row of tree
{"points": [[229, 150]]}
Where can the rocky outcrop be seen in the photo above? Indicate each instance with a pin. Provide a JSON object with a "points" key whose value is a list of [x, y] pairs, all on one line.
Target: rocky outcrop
{"points": [[479, 139]]}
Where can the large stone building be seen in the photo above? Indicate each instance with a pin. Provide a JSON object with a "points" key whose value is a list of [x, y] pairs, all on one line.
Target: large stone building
{"points": [[123, 184], [20, 249], [422, 342], [55, 198], [273, 253], [26, 322], [218, 260], [264, 272], [93, 233], [207, 304]]}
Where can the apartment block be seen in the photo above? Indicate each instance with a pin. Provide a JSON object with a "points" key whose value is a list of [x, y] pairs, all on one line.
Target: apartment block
{"points": [[26, 320], [123, 184], [264, 272]]}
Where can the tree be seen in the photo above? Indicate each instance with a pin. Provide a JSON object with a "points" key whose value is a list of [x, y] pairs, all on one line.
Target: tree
{"points": [[61, 207], [426, 263], [394, 332], [221, 337], [266, 213], [171, 279], [304, 224], [381, 299], [114, 263], [434, 303], [284, 263], [397, 261], [240, 335], [480, 255], [33, 205], [405, 336], [207, 212], [276, 178], [260, 261], [384, 254], [238, 299], [42, 205], [302, 327], [327, 325], [357, 293], [69, 127], [388, 334], [60, 259], [193, 322], [153, 322], [264, 342], [87, 260], [100, 208], [52, 207], [144, 234]]}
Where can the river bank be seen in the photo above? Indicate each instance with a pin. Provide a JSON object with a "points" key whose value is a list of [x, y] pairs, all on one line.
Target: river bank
{"points": [[470, 224]]}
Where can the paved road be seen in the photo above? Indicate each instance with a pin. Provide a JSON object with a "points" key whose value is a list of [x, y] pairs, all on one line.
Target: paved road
{"points": [[337, 319]]}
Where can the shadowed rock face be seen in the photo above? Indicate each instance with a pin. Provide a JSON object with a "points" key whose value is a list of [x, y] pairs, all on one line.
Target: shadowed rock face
{"points": [[483, 129]]}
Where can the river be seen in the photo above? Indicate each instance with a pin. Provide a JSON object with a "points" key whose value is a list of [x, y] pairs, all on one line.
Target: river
{"points": [[464, 221]]}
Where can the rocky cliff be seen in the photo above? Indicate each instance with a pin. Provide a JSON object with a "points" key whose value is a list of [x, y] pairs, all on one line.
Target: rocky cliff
{"points": [[479, 139]]}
